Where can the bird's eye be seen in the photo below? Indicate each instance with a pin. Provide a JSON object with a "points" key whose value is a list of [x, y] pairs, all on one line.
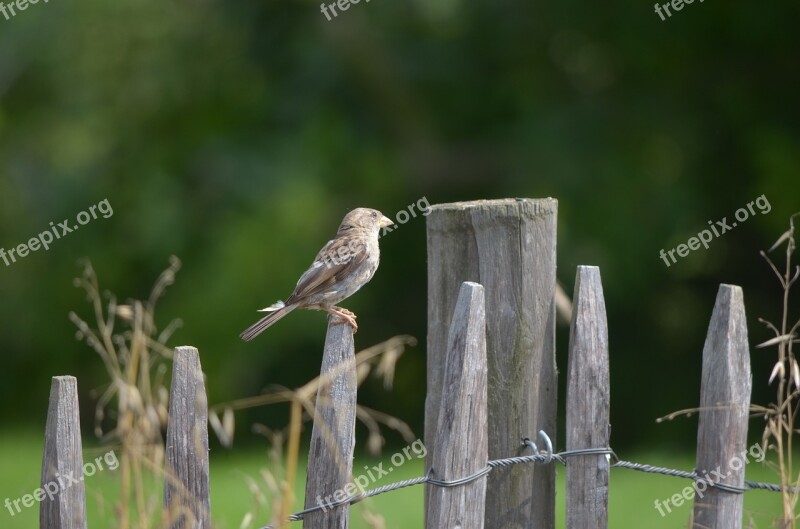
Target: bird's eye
{"points": [[374, 214]]}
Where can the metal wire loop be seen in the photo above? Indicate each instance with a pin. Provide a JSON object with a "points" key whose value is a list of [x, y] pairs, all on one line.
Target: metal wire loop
{"points": [[549, 444], [456, 482]]}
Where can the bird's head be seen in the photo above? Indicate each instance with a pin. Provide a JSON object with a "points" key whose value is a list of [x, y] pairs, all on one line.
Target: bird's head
{"points": [[364, 219]]}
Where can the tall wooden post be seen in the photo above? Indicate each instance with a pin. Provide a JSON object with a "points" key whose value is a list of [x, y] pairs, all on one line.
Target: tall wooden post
{"points": [[509, 247], [63, 504], [460, 447], [187, 496], [330, 458], [724, 409], [588, 404]]}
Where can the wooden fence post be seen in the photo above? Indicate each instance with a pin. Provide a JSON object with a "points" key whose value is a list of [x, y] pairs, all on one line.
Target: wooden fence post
{"points": [[724, 409], [64, 505], [330, 457], [186, 492], [588, 402], [460, 446], [508, 246]]}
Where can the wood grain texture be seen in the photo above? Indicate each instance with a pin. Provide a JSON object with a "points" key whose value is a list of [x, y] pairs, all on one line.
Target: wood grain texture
{"points": [[62, 460], [588, 404], [186, 490], [509, 247], [724, 406], [460, 447], [330, 458]]}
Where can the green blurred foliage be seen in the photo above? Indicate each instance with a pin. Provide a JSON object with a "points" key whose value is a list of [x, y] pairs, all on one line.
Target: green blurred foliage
{"points": [[236, 135]]}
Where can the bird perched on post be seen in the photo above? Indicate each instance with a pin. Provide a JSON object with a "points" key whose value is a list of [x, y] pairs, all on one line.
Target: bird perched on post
{"points": [[344, 265]]}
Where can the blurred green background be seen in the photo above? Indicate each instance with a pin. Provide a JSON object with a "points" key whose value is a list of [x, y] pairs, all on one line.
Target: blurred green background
{"points": [[236, 135]]}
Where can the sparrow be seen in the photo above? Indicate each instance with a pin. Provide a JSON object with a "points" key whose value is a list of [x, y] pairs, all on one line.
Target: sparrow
{"points": [[344, 265]]}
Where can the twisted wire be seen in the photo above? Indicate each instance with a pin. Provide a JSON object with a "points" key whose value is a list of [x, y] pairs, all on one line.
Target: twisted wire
{"points": [[544, 457]]}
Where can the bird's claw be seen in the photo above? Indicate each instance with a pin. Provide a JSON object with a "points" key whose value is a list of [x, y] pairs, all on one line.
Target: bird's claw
{"points": [[345, 316]]}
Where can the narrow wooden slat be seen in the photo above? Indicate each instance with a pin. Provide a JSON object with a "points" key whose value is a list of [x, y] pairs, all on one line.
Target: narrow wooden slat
{"points": [[588, 404], [62, 494], [330, 458], [509, 247], [186, 490], [724, 406], [460, 446]]}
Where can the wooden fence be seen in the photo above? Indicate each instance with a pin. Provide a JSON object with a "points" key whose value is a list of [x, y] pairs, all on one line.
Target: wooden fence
{"points": [[491, 382]]}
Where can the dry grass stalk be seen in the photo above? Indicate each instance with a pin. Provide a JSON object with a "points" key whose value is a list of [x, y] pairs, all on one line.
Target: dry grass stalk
{"points": [[781, 416], [135, 403]]}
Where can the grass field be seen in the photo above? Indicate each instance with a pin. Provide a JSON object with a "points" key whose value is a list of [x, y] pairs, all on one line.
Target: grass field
{"points": [[632, 495]]}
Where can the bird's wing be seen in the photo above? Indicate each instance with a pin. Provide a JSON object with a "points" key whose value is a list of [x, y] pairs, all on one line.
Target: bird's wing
{"points": [[337, 259]]}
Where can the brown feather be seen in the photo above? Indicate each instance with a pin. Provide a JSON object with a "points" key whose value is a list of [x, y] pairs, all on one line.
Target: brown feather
{"points": [[333, 263], [265, 322]]}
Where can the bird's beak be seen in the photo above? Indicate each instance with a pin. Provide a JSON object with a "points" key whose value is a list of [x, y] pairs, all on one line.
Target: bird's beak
{"points": [[385, 222]]}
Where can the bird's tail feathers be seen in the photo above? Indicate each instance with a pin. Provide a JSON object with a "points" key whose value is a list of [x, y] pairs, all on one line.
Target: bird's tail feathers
{"points": [[272, 308], [261, 325]]}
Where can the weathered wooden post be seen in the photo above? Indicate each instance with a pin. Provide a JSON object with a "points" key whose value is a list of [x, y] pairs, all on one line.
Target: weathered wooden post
{"points": [[509, 247], [724, 408], [62, 494], [588, 404], [187, 499], [330, 458], [460, 446]]}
